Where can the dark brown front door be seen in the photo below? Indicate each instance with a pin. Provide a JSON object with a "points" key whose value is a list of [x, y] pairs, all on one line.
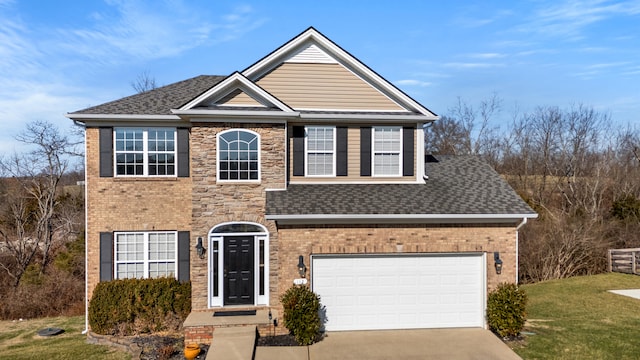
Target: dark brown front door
{"points": [[238, 270]]}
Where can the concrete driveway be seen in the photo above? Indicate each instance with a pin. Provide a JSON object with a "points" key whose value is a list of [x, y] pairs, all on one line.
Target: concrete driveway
{"points": [[459, 344]]}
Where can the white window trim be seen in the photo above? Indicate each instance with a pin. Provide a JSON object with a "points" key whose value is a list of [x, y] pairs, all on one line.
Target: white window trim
{"points": [[145, 151], [306, 151], [373, 151], [218, 301], [145, 260], [243, 181]]}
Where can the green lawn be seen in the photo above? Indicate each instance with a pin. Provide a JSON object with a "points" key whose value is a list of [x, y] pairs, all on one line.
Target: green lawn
{"points": [[19, 340], [577, 318]]}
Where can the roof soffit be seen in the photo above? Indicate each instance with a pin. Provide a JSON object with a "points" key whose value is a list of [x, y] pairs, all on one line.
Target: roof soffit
{"points": [[311, 45]]}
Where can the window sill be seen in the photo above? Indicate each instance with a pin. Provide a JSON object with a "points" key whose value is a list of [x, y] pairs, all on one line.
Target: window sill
{"points": [[238, 182], [144, 178]]}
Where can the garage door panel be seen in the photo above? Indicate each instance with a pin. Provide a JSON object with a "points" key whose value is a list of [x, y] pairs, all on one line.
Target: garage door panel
{"points": [[400, 292]]}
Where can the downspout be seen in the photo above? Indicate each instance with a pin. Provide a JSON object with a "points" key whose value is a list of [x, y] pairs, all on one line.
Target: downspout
{"points": [[524, 221], [86, 235]]}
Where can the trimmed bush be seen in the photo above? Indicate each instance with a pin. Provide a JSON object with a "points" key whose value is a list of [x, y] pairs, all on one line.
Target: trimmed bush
{"points": [[506, 310], [302, 314], [134, 306]]}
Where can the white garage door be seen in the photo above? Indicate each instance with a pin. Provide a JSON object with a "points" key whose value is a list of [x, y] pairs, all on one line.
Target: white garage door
{"points": [[400, 291]]}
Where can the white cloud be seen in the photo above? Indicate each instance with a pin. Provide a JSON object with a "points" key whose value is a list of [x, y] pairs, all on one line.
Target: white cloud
{"points": [[142, 31], [487, 56], [42, 68], [568, 19], [413, 82], [471, 65]]}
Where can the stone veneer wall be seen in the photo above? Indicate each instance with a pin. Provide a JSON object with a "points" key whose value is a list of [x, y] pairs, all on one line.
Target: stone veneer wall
{"points": [[214, 203], [129, 204], [377, 239]]}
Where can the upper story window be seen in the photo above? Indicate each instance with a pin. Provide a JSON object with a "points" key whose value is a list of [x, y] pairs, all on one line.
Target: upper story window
{"points": [[238, 155], [145, 151], [145, 254], [320, 151], [387, 151]]}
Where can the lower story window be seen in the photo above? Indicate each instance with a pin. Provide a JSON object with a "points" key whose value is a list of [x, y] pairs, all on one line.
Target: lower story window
{"points": [[145, 254]]}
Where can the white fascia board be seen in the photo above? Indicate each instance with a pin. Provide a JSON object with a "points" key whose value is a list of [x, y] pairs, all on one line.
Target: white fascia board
{"points": [[111, 117], [311, 35], [366, 117], [400, 218], [129, 120], [234, 115], [235, 81]]}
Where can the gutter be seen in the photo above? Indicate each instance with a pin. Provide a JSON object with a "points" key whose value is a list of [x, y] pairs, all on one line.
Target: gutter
{"points": [[81, 117], [398, 218], [522, 223]]}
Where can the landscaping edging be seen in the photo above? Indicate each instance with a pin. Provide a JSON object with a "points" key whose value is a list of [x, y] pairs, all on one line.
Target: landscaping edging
{"points": [[146, 346], [121, 343]]}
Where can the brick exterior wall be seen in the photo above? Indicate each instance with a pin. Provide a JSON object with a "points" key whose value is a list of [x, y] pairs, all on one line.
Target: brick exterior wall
{"points": [[199, 203], [129, 204], [378, 239], [198, 334]]}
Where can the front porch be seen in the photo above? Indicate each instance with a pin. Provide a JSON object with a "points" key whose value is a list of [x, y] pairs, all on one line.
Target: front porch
{"points": [[200, 326]]}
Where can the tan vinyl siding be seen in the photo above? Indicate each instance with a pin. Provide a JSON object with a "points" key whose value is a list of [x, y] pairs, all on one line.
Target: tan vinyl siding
{"points": [[353, 163], [324, 86], [238, 97]]}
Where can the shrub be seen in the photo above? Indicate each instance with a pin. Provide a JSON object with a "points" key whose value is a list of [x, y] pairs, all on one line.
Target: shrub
{"points": [[626, 208], [133, 306], [506, 310], [302, 314], [57, 293]]}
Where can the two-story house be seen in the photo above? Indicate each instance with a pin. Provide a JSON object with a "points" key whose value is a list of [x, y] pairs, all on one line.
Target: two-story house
{"points": [[306, 167]]}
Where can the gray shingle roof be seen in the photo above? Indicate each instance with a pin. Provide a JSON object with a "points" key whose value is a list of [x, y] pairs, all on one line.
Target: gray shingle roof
{"points": [[158, 101], [457, 185]]}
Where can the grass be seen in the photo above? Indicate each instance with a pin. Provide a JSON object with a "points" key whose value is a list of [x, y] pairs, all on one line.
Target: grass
{"points": [[577, 318], [19, 340]]}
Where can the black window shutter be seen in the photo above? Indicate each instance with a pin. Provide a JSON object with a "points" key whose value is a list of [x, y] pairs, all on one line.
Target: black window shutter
{"points": [[298, 151], [106, 152], [183, 256], [407, 151], [183, 152], [365, 151], [341, 149], [106, 256]]}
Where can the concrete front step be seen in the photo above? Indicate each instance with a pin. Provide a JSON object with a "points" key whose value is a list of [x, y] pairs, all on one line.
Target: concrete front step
{"points": [[233, 343], [201, 326]]}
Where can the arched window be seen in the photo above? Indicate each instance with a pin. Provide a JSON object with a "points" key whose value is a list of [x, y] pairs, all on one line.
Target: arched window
{"points": [[238, 155]]}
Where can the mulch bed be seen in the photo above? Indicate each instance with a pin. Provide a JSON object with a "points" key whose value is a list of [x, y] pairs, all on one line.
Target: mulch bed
{"points": [[277, 340], [164, 347]]}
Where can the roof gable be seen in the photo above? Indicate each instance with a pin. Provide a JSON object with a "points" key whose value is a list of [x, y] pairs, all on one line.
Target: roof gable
{"points": [[234, 91], [312, 47]]}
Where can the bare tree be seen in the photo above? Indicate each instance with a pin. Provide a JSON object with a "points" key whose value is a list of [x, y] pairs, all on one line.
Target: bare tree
{"points": [[30, 225], [144, 82], [466, 130]]}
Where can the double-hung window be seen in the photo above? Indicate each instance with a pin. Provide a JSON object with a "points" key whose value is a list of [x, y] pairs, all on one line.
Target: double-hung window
{"points": [[320, 150], [145, 254], [387, 151], [145, 151], [238, 155]]}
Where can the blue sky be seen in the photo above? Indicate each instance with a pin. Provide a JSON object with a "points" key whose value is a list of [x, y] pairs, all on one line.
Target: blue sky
{"points": [[61, 56]]}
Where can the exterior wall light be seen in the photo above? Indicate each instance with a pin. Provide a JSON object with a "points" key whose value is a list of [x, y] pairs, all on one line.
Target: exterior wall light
{"points": [[200, 249], [498, 262], [302, 269]]}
